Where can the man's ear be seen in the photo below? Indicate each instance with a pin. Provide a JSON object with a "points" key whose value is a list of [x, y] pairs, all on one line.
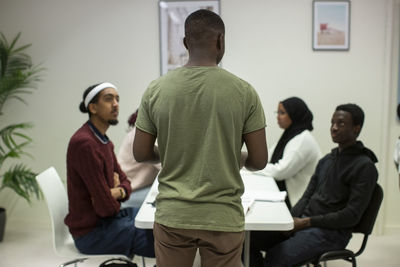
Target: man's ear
{"points": [[185, 43], [92, 108], [220, 41], [357, 129]]}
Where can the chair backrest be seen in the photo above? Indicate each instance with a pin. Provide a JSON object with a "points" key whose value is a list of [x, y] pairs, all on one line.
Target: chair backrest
{"points": [[57, 202], [367, 221]]}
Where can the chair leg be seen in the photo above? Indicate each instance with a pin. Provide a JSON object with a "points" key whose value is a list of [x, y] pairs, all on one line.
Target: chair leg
{"points": [[319, 264], [143, 262], [353, 261]]}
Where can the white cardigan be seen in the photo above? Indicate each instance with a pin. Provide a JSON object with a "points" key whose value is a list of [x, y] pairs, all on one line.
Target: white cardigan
{"points": [[297, 165], [140, 174], [396, 154]]}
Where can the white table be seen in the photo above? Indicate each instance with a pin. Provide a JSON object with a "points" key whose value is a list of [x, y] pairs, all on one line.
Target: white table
{"points": [[262, 215]]}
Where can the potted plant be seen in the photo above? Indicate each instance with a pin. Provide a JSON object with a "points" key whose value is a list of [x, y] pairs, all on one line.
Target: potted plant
{"points": [[17, 77]]}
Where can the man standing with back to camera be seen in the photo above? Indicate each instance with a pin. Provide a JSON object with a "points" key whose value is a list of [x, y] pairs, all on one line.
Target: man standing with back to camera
{"points": [[201, 115]]}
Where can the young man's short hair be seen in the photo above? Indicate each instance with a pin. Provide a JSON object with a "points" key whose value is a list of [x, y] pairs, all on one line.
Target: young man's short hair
{"points": [[356, 112]]}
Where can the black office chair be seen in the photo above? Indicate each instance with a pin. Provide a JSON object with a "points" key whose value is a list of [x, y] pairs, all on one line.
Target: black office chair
{"points": [[365, 227]]}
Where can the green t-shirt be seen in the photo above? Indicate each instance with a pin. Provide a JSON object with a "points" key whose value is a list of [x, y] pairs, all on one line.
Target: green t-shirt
{"points": [[199, 115]]}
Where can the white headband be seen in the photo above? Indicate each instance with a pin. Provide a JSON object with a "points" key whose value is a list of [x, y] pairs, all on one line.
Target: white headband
{"points": [[96, 90]]}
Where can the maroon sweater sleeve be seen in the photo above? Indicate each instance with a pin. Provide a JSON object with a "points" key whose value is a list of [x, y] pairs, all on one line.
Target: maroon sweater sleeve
{"points": [[92, 165], [125, 183], [90, 177]]}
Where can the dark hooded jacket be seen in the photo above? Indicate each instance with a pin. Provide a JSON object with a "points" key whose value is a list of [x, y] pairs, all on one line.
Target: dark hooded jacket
{"points": [[340, 189]]}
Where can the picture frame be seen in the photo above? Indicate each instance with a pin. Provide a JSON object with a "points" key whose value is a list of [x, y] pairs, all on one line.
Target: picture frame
{"points": [[172, 14], [331, 25]]}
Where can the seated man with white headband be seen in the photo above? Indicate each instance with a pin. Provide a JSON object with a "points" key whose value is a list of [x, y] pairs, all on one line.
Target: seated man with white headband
{"points": [[97, 185]]}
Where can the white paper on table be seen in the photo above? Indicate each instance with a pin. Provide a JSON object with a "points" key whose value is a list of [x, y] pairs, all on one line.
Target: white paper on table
{"points": [[247, 202], [152, 197], [266, 196]]}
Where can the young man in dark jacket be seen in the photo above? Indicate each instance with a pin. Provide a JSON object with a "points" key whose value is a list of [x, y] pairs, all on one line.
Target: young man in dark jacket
{"points": [[333, 203]]}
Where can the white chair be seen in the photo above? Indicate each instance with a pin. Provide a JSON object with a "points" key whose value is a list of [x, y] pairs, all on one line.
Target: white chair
{"points": [[57, 202]]}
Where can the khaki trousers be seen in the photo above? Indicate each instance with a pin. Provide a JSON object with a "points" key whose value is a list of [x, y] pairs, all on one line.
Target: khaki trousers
{"points": [[177, 247]]}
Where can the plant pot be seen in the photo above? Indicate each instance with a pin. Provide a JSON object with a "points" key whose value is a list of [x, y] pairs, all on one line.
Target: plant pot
{"points": [[2, 222]]}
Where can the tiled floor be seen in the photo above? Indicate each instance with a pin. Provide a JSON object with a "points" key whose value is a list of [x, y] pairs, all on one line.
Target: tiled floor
{"points": [[26, 244]]}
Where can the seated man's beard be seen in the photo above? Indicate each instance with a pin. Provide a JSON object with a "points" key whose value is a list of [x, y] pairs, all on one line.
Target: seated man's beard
{"points": [[113, 122]]}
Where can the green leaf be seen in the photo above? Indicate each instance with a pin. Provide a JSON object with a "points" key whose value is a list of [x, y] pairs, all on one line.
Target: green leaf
{"points": [[13, 141], [17, 74], [22, 180]]}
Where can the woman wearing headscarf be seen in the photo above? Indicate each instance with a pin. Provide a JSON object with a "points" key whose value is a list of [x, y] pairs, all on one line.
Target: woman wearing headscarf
{"points": [[141, 175], [296, 154]]}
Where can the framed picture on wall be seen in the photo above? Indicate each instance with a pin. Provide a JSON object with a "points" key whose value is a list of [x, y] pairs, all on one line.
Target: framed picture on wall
{"points": [[172, 30], [331, 25]]}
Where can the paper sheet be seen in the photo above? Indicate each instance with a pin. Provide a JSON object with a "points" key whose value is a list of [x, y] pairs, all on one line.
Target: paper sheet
{"points": [[247, 202], [265, 196]]}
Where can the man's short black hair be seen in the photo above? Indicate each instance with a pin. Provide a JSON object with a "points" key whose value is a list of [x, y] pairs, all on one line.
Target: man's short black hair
{"points": [[356, 112], [202, 24], [82, 107]]}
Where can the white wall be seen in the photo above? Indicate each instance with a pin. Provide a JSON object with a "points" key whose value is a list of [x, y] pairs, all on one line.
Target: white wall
{"points": [[268, 43]]}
